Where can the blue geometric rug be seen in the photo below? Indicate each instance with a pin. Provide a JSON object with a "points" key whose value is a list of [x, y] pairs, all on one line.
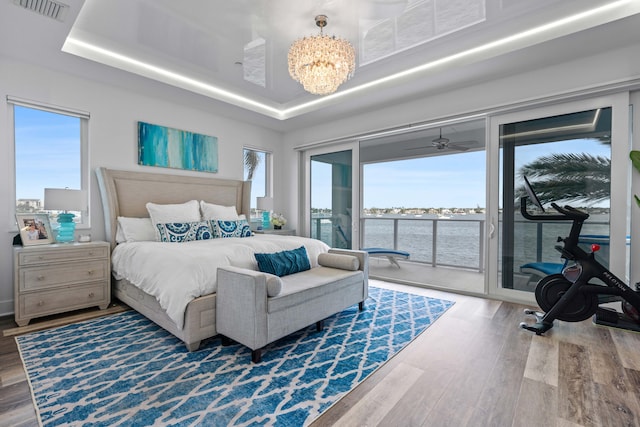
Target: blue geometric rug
{"points": [[125, 370]]}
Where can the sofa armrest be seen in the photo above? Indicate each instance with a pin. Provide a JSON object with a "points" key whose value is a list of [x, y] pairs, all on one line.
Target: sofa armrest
{"points": [[363, 258], [241, 306]]}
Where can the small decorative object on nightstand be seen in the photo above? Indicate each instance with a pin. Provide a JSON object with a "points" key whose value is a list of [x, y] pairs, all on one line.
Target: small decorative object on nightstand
{"points": [[278, 220], [265, 204], [64, 199], [60, 277]]}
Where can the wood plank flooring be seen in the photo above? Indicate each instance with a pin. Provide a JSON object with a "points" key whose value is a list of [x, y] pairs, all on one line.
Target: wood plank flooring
{"points": [[473, 367]]}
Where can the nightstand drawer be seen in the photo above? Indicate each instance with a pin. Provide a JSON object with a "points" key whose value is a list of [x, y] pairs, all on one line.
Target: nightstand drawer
{"points": [[53, 301], [34, 278], [44, 256]]}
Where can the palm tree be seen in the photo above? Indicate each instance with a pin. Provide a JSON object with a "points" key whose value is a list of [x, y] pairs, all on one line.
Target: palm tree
{"points": [[251, 162], [570, 177]]}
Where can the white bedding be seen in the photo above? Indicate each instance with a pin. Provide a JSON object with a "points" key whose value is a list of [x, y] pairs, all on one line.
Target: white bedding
{"points": [[176, 273]]}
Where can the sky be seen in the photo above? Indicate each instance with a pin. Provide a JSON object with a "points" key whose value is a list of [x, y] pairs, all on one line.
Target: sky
{"points": [[47, 152], [450, 181]]}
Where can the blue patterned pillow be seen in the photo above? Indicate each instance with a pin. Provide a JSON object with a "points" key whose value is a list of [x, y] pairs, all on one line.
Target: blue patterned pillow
{"points": [[285, 262], [230, 228], [179, 232]]}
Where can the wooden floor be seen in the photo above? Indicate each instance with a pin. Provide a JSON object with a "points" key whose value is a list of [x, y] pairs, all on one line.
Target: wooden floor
{"points": [[473, 367]]}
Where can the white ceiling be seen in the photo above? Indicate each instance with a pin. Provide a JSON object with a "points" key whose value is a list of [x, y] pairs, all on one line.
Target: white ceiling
{"points": [[235, 52]]}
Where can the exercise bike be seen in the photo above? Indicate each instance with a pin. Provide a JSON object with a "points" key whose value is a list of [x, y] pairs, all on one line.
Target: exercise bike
{"points": [[569, 296]]}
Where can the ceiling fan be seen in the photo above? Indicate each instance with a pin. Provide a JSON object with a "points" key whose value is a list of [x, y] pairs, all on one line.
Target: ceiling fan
{"points": [[441, 143]]}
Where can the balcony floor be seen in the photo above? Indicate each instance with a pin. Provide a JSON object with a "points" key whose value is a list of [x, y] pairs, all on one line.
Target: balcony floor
{"points": [[418, 274]]}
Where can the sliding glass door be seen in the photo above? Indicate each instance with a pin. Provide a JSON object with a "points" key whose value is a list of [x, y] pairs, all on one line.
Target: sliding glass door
{"points": [[567, 153], [331, 202]]}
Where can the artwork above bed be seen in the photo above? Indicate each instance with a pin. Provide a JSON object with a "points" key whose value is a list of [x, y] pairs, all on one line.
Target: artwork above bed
{"points": [[173, 148]]}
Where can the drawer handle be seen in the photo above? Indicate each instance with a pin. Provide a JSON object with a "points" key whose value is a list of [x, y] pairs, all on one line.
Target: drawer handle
{"points": [[91, 294], [40, 257], [40, 278], [40, 303], [90, 272], [91, 253]]}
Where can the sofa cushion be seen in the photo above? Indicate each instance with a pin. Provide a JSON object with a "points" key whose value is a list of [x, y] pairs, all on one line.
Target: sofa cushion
{"points": [[300, 288], [284, 263], [344, 262]]}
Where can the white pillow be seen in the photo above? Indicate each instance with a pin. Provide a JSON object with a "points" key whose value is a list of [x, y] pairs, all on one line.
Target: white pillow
{"points": [[213, 211], [164, 214], [135, 230]]}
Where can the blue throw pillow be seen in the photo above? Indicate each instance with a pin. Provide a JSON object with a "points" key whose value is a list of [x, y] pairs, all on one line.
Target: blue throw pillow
{"points": [[285, 262], [179, 232], [231, 228]]}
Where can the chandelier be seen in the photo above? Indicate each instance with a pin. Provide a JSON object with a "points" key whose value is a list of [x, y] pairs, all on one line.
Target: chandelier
{"points": [[321, 63]]}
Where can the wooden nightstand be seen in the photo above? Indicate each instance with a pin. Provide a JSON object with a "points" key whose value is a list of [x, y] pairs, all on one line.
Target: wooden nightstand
{"points": [[52, 279], [282, 231]]}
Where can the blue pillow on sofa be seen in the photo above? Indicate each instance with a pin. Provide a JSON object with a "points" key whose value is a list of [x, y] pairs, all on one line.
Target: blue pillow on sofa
{"points": [[284, 263]]}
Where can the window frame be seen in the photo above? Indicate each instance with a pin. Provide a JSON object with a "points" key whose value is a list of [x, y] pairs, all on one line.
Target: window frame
{"points": [[85, 217]]}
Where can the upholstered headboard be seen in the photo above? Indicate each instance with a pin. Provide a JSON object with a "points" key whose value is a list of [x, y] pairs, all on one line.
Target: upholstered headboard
{"points": [[126, 193]]}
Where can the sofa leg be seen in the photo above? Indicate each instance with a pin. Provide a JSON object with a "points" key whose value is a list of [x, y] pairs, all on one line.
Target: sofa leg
{"points": [[256, 355], [319, 325], [361, 305]]}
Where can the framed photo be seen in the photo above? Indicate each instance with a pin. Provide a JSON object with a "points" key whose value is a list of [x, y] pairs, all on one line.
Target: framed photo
{"points": [[35, 229]]}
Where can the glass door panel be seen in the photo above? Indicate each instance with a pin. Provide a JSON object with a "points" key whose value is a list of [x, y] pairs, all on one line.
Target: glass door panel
{"points": [[567, 159], [331, 196]]}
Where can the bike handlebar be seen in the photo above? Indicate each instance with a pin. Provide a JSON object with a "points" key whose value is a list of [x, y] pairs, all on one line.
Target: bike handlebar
{"points": [[566, 213]]}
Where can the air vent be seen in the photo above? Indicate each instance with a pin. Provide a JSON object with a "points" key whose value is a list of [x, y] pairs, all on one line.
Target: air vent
{"points": [[48, 8]]}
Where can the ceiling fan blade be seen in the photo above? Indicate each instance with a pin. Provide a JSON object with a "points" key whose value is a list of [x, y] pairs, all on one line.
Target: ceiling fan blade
{"points": [[456, 147]]}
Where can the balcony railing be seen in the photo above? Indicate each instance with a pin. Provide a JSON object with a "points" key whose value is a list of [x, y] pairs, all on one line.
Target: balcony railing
{"points": [[456, 242]]}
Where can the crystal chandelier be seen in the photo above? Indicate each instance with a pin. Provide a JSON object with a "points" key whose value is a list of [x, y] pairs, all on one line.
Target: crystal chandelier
{"points": [[321, 63]]}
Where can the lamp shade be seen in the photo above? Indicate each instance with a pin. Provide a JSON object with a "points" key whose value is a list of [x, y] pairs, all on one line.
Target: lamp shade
{"points": [[64, 199], [265, 203]]}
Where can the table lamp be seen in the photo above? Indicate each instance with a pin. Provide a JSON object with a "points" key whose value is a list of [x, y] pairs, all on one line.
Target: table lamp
{"points": [[64, 199], [265, 204]]}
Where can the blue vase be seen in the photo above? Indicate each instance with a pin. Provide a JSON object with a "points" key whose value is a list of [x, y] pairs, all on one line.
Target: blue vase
{"points": [[265, 219], [66, 228]]}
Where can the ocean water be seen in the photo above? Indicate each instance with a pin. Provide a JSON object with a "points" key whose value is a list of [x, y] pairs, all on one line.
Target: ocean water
{"points": [[458, 238]]}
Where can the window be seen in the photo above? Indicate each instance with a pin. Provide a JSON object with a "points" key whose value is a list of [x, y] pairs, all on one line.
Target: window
{"points": [[257, 169], [50, 147]]}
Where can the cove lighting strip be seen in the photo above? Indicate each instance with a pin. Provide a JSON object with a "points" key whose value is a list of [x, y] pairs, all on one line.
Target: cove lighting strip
{"points": [[519, 40]]}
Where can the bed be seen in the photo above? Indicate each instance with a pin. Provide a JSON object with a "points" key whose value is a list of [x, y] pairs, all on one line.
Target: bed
{"points": [[126, 193]]}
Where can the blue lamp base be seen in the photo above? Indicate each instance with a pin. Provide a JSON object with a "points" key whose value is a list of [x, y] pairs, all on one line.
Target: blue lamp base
{"points": [[66, 228], [265, 219]]}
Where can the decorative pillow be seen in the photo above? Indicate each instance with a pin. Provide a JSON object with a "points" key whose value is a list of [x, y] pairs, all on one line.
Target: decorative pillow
{"points": [[284, 263], [341, 261], [179, 232], [165, 214], [213, 211], [274, 285], [135, 230], [237, 228]]}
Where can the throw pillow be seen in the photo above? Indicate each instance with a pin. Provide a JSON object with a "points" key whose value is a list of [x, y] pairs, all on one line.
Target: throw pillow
{"points": [[135, 230], [213, 211], [283, 263], [179, 232], [170, 213], [343, 262], [237, 228]]}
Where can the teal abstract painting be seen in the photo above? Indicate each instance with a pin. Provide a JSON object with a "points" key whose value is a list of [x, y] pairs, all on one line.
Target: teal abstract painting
{"points": [[166, 147]]}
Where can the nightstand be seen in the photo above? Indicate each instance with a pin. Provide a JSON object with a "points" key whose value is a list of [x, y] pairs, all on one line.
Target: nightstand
{"points": [[282, 231], [50, 279]]}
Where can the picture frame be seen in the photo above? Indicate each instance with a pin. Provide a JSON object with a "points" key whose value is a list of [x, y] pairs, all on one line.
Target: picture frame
{"points": [[35, 229]]}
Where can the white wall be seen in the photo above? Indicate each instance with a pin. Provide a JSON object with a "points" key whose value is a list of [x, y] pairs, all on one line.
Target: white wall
{"points": [[113, 139]]}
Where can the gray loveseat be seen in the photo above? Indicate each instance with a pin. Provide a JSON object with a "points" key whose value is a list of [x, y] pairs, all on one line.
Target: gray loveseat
{"points": [[255, 308]]}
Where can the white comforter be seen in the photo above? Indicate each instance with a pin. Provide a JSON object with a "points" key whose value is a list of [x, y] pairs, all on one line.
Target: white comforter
{"points": [[176, 273]]}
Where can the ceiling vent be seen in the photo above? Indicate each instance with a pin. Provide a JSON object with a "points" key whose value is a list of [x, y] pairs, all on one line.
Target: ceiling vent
{"points": [[48, 8]]}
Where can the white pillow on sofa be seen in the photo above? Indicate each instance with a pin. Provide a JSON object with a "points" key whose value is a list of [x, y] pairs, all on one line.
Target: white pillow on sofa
{"points": [[180, 212], [135, 230], [218, 212]]}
